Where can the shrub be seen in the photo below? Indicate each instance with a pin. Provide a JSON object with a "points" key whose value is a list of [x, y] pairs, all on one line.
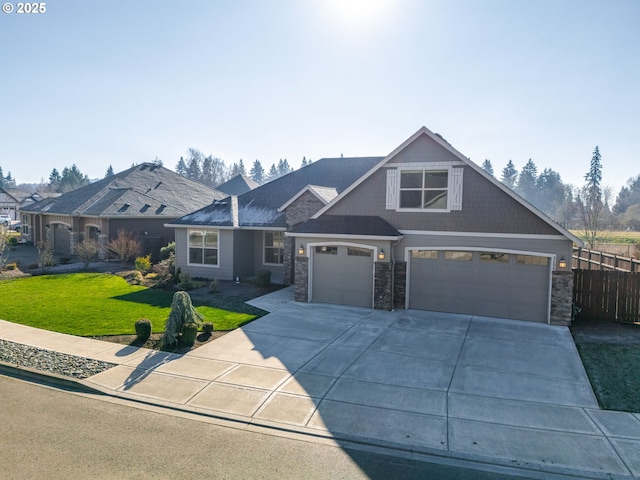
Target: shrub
{"points": [[65, 260], [214, 287], [207, 327], [165, 269], [133, 277], [13, 241], [182, 312], [45, 255], [143, 264], [32, 266], [125, 246], [143, 329], [87, 251], [166, 252], [263, 278], [187, 283], [189, 333]]}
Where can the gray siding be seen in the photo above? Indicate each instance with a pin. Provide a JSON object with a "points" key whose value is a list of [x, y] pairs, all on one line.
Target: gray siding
{"points": [[485, 207], [225, 256]]}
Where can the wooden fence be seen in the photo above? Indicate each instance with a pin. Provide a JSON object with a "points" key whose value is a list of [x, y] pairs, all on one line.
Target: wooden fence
{"points": [[585, 259], [607, 294]]}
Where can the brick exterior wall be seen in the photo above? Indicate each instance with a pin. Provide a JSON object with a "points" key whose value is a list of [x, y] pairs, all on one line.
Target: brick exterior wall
{"points": [[301, 288], [399, 284], [561, 297], [382, 286]]}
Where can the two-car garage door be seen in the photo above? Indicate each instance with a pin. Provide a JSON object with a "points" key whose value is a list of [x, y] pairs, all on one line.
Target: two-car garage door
{"points": [[492, 284]]}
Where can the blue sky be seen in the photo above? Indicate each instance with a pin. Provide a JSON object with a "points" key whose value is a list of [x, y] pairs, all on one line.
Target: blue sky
{"points": [[99, 83]]}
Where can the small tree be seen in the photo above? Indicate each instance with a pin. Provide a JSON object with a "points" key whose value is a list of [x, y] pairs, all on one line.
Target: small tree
{"points": [[45, 255], [87, 251], [182, 312], [125, 246], [591, 200], [4, 242]]}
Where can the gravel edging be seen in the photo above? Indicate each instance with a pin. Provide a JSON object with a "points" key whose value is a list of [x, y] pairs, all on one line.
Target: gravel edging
{"points": [[70, 366]]}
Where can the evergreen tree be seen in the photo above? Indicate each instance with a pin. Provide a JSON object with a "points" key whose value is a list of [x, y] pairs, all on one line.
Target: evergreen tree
{"points": [[9, 181], [109, 172], [527, 181], [219, 172], [304, 162], [1, 178], [509, 175], [54, 180], [158, 162], [241, 169], [273, 173], [590, 201], [283, 167], [194, 161], [551, 192], [257, 172], [629, 195], [206, 175], [181, 167], [487, 167], [72, 179]]}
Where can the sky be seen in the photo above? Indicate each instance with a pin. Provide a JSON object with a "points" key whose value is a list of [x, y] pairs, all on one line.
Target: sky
{"points": [[119, 83]]}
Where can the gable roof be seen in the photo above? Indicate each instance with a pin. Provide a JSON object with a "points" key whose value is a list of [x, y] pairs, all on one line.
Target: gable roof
{"points": [[237, 185], [146, 190], [260, 207], [15, 193], [324, 194], [443, 143]]}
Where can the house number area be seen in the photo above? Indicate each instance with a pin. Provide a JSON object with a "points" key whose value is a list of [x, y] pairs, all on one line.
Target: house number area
{"points": [[24, 7]]}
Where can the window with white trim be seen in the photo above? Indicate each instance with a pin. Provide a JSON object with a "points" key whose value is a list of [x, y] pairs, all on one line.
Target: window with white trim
{"points": [[424, 189], [203, 247], [273, 247]]}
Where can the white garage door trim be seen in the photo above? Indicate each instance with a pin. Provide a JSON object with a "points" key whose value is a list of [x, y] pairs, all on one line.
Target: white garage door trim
{"points": [[550, 256], [310, 255]]}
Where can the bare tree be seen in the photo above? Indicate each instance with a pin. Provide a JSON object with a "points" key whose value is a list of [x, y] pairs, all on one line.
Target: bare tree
{"points": [[125, 246], [87, 251]]}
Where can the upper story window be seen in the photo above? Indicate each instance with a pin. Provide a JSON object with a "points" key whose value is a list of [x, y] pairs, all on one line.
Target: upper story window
{"points": [[273, 247], [203, 247], [424, 189]]}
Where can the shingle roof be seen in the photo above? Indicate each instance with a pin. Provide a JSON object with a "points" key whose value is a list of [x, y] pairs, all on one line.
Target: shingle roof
{"points": [[259, 207], [237, 185], [347, 225], [146, 190]]}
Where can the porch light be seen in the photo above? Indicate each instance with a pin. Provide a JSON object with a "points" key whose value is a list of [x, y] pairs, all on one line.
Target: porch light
{"points": [[562, 263], [381, 254], [47, 225], [70, 228], [301, 250]]}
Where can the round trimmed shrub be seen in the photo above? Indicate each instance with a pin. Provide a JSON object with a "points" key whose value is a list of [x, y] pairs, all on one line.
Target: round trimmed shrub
{"points": [[189, 333], [207, 327], [263, 278], [143, 329]]}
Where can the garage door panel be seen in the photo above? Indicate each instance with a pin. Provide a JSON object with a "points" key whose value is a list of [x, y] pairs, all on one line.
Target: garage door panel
{"points": [[494, 285], [342, 279]]}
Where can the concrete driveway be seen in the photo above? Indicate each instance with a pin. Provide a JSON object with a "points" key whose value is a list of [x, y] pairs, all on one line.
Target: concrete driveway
{"points": [[479, 388]]}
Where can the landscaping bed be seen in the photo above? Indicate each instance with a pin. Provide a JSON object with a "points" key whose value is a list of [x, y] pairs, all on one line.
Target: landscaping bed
{"points": [[610, 352]]}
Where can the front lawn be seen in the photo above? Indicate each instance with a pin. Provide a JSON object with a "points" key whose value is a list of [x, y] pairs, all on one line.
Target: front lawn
{"points": [[613, 372], [98, 304]]}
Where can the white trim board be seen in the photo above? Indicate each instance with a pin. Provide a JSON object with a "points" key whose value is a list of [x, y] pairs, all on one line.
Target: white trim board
{"points": [[525, 236]]}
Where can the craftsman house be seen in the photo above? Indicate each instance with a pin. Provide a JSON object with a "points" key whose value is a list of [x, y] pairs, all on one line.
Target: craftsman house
{"points": [[422, 228], [139, 200]]}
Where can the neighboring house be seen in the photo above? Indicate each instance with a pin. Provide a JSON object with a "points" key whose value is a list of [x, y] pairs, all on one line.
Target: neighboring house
{"points": [[422, 228], [139, 200], [10, 201], [237, 185]]}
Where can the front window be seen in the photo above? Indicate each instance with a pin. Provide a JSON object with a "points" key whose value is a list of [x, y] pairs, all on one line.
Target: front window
{"points": [[424, 189], [203, 247], [273, 247]]}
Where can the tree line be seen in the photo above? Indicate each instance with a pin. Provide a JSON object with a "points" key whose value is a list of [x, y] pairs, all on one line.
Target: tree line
{"points": [[586, 207]]}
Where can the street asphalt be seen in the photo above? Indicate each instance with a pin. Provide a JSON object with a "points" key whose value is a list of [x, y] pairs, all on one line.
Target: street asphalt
{"points": [[509, 393]]}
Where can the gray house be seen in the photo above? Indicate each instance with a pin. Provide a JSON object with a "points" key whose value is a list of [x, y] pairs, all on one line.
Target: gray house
{"points": [[422, 228], [139, 200]]}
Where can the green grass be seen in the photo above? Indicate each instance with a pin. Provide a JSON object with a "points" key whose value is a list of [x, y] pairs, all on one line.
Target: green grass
{"points": [[613, 372], [607, 236], [97, 304]]}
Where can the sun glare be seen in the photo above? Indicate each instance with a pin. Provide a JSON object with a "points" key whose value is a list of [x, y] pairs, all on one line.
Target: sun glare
{"points": [[358, 15]]}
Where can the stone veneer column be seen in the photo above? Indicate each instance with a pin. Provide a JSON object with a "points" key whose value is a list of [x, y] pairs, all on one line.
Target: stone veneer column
{"points": [[287, 255], [399, 284], [382, 286], [302, 279], [561, 297]]}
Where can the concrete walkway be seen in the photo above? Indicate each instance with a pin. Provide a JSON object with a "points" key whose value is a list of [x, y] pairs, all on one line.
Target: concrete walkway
{"points": [[498, 391]]}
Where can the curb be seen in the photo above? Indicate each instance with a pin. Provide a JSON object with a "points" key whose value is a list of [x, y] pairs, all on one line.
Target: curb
{"points": [[46, 378], [486, 464]]}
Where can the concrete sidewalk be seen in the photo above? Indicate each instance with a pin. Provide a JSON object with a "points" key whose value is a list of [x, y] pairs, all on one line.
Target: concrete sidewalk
{"points": [[497, 391]]}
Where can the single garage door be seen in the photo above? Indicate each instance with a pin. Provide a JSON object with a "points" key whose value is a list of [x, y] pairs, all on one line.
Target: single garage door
{"points": [[61, 238], [342, 275], [491, 284]]}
